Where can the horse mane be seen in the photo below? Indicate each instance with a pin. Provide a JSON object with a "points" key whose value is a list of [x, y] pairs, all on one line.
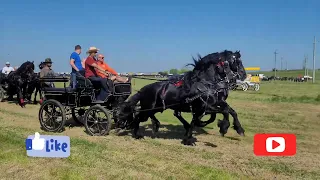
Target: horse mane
{"points": [[201, 64]]}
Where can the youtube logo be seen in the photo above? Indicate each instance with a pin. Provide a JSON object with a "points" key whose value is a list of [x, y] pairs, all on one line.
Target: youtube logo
{"points": [[274, 145]]}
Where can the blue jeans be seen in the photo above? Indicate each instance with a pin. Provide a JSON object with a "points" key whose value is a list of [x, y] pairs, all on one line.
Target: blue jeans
{"points": [[73, 80]]}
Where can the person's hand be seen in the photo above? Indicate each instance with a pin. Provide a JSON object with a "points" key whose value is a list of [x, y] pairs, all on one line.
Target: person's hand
{"points": [[108, 73], [112, 78]]}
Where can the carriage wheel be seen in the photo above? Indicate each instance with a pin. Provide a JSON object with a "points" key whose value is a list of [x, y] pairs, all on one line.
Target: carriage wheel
{"points": [[52, 116], [1, 94], [244, 86], [77, 115], [97, 121], [256, 87]]}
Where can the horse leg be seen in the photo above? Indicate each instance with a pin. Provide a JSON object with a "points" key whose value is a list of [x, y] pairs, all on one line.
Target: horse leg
{"points": [[24, 93], [189, 140], [155, 124], [205, 123], [35, 96], [225, 123], [236, 123], [141, 118], [20, 97], [186, 125], [40, 94]]}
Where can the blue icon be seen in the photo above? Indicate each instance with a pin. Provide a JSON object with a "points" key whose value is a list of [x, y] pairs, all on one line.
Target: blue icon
{"points": [[48, 146]]}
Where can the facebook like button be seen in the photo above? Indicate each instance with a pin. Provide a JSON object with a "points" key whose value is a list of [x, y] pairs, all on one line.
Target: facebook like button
{"points": [[48, 146]]}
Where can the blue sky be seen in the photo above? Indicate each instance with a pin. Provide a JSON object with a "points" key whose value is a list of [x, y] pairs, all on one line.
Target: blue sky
{"points": [[153, 36]]}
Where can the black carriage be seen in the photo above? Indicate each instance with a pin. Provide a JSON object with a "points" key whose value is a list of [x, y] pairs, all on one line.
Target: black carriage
{"points": [[3, 86], [79, 102]]}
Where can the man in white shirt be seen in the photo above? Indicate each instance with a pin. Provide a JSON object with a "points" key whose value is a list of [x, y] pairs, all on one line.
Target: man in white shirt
{"points": [[7, 69]]}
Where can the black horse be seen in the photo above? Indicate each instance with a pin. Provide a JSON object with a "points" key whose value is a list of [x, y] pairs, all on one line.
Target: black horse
{"points": [[35, 86], [18, 81], [219, 104], [237, 67], [206, 80]]}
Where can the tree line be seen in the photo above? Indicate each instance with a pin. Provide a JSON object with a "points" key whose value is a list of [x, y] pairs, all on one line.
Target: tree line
{"points": [[173, 71]]}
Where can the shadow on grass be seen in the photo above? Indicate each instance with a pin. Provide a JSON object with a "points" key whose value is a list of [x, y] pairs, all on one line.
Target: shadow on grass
{"points": [[171, 132]]}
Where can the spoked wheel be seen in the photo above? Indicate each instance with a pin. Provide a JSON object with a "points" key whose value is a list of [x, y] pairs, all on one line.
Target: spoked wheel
{"points": [[256, 87], [52, 116], [97, 121], [77, 115], [244, 86], [1, 94]]}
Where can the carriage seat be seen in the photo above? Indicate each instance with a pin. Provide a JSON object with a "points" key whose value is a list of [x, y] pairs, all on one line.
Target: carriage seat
{"points": [[83, 82]]}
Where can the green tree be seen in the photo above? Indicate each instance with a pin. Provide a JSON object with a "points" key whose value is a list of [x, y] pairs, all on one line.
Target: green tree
{"points": [[174, 71], [163, 73], [183, 70]]}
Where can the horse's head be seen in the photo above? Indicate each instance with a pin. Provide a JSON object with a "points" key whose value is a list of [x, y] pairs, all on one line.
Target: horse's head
{"points": [[219, 66], [26, 70], [237, 66]]}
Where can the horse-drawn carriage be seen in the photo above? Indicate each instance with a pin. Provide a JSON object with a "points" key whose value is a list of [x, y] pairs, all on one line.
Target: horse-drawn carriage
{"points": [[79, 102], [250, 82]]}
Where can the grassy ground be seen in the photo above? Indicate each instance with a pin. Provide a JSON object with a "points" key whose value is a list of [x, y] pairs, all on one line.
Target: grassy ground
{"points": [[279, 107]]}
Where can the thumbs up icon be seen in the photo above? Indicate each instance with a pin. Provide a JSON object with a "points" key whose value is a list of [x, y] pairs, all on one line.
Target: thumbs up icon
{"points": [[37, 142]]}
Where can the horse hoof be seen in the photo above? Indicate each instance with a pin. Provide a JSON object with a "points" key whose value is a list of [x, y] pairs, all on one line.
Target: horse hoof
{"points": [[222, 135], [139, 137], [189, 142], [155, 130], [241, 134]]}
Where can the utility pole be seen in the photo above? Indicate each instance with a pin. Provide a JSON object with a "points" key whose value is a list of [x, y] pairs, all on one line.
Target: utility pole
{"points": [[275, 63], [281, 63], [305, 65], [286, 65], [314, 61]]}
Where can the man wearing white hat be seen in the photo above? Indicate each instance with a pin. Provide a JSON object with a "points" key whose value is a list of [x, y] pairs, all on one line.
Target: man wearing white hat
{"points": [[7, 69]]}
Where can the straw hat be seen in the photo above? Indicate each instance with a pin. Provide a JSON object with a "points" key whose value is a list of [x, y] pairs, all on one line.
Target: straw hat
{"points": [[93, 49]]}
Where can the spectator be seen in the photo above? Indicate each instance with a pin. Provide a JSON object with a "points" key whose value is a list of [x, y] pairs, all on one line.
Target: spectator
{"points": [[7, 69], [46, 71]]}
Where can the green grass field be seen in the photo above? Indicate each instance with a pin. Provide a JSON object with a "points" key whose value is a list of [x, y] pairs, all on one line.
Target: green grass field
{"points": [[279, 107]]}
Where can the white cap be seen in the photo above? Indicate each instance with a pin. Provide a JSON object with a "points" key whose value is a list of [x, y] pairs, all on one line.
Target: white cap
{"points": [[7, 63]]}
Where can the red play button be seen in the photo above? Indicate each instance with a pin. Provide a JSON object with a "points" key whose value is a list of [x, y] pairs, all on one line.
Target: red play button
{"points": [[275, 144]]}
